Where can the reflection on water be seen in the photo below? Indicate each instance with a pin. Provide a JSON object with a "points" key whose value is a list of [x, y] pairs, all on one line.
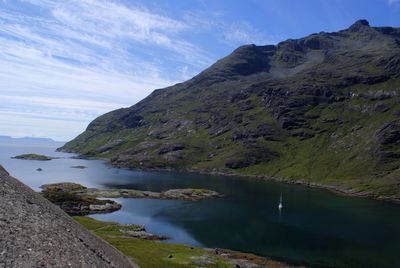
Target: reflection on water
{"points": [[314, 226]]}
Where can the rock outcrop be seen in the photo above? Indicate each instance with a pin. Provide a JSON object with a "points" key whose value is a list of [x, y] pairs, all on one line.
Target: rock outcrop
{"points": [[34, 157], [36, 233], [72, 196]]}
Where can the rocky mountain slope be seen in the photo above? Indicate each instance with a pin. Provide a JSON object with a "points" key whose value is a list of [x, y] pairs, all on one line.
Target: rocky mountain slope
{"points": [[322, 109], [36, 233]]}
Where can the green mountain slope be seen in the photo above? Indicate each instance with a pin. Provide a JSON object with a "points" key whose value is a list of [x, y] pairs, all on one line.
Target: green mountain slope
{"points": [[322, 109]]}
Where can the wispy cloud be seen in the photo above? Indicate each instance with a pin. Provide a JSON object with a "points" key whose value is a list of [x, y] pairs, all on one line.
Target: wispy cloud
{"points": [[74, 60], [232, 33], [393, 2], [244, 33], [86, 57]]}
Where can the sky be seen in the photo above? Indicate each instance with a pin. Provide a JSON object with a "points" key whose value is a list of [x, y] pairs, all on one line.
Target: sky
{"points": [[63, 63]]}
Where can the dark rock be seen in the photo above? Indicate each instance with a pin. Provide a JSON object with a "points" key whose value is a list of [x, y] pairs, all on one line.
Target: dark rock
{"points": [[159, 134], [359, 25], [303, 134], [235, 163], [254, 155], [389, 133], [239, 97], [379, 95], [171, 148], [132, 120], [215, 132], [109, 146], [264, 130]]}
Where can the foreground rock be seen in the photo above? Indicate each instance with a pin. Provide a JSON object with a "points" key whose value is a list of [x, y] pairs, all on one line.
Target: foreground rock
{"points": [[36, 233], [79, 191], [38, 157]]}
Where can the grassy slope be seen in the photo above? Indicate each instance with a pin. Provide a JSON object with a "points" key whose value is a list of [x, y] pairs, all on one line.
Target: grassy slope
{"points": [[151, 254], [340, 155]]}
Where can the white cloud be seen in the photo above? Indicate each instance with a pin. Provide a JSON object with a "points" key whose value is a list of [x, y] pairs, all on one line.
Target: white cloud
{"points": [[232, 33], [84, 58], [74, 60], [243, 33], [393, 2]]}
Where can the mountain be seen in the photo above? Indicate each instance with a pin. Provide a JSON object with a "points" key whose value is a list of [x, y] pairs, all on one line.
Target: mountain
{"points": [[28, 141], [323, 109]]}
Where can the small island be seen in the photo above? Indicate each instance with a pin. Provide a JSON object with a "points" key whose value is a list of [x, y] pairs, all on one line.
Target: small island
{"points": [[69, 197], [77, 199], [38, 157], [79, 167]]}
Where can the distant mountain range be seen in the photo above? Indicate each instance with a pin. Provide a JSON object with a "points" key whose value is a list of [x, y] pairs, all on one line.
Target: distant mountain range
{"points": [[28, 140], [323, 110]]}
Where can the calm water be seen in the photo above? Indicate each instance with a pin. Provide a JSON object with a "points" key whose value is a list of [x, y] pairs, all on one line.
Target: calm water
{"points": [[315, 226]]}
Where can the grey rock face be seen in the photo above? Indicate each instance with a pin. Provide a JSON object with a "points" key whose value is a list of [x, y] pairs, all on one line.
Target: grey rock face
{"points": [[36, 233]]}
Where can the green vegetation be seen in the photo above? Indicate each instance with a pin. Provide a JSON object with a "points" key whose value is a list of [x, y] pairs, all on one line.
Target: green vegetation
{"points": [[152, 254], [323, 110], [33, 157]]}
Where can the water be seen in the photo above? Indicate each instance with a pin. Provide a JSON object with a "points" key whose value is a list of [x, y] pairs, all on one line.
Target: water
{"points": [[314, 227]]}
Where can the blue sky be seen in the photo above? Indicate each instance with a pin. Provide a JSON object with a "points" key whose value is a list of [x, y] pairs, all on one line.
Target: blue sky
{"points": [[63, 63]]}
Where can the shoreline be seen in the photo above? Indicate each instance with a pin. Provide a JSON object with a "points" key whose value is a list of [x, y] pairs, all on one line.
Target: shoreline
{"points": [[349, 192], [118, 235]]}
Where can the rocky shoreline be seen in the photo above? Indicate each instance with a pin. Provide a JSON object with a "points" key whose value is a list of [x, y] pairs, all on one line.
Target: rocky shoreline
{"points": [[351, 192], [339, 190], [67, 197], [76, 199]]}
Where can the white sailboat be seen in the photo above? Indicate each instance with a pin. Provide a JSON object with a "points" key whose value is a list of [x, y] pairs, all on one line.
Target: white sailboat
{"points": [[280, 206]]}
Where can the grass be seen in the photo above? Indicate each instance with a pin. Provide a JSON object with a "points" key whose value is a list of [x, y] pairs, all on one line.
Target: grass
{"points": [[149, 253]]}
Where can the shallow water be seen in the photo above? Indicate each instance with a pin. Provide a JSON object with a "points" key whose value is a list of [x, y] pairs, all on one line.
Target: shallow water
{"points": [[314, 227]]}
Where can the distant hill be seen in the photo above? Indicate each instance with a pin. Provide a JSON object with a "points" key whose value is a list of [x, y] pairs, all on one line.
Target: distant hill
{"points": [[29, 141], [323, 109]]}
